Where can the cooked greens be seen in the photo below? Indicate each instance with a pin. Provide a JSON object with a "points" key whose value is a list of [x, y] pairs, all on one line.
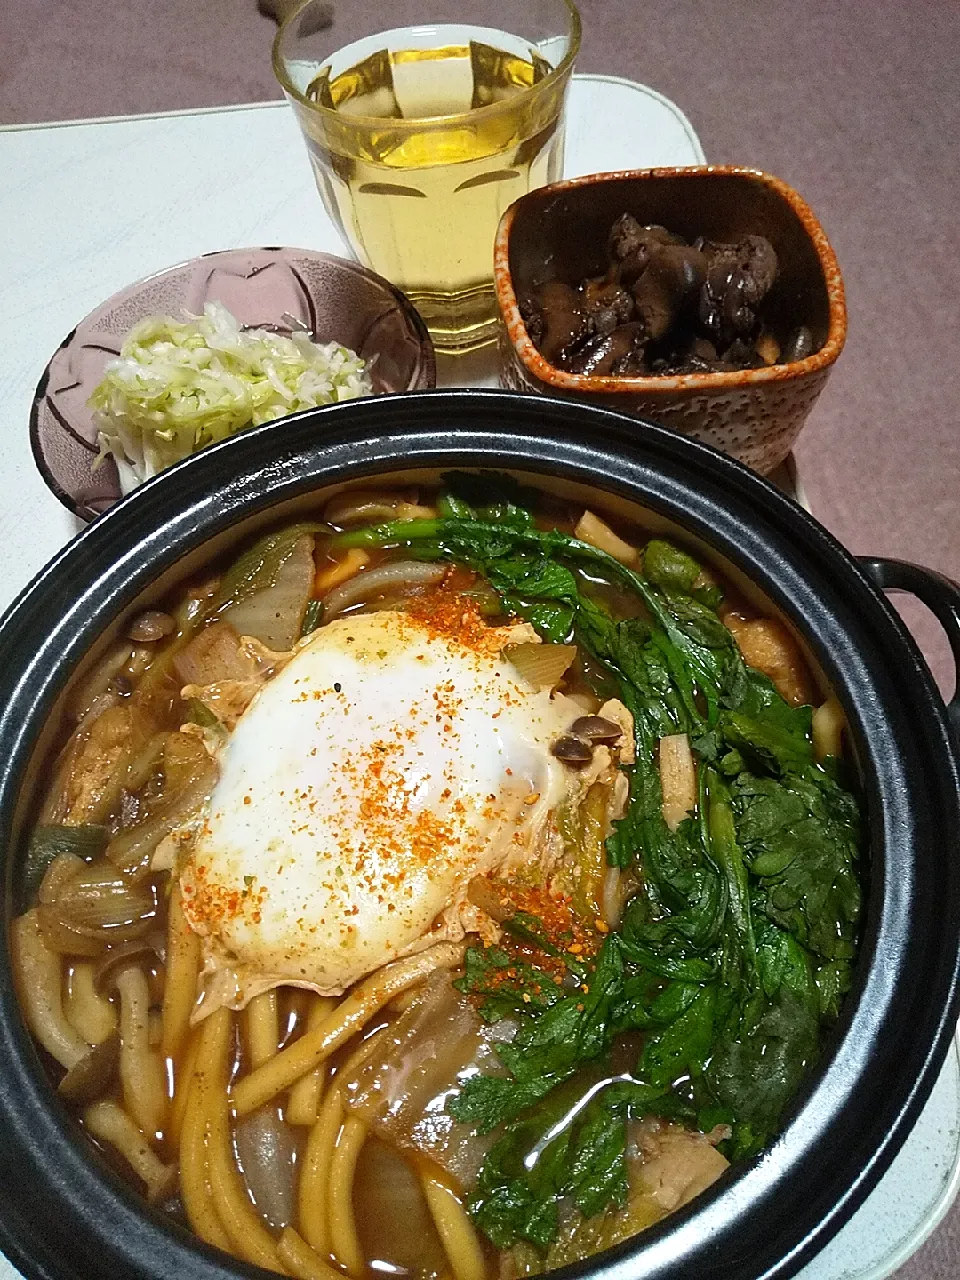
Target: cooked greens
{"points": [[736, 949]]}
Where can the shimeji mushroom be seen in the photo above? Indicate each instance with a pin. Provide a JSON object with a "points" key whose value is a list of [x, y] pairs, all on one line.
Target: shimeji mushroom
{"points": [[89, 1068], [141, 1070], [108, 1122]]}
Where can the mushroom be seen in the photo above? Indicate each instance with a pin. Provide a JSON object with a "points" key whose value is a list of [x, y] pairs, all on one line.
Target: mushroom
{"points": [[596, 729], [108, 1122], [151, 626], [88, 1010], [92, 1075], [572, 750], [37, 974], [141, 1071]]}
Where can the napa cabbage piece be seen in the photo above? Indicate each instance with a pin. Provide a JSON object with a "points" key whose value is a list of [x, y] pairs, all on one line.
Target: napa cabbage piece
{"points": [[179, 385]]}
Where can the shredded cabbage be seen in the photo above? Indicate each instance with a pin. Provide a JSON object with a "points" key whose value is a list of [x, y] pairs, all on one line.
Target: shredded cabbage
{"points": [[179, 385]]}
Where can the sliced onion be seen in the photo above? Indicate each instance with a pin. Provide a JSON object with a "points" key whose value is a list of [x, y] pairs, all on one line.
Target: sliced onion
{"points": [[87, 693], [65, 941], [190, 775], [267, 1150], [365, 507], [273, 614], [377, 582], [402, 1088], [101, 899], [92, 901]]}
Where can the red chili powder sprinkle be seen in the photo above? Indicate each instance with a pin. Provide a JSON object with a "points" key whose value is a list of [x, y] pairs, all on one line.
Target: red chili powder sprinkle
{"points": [[560, 923], [446, 611]]}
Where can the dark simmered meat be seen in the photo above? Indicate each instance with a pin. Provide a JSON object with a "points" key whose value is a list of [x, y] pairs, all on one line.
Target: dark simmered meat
{"points": [[664, 306]]}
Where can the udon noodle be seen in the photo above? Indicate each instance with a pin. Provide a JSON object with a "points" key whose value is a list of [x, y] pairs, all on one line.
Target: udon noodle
{"points": [[539, 932]]}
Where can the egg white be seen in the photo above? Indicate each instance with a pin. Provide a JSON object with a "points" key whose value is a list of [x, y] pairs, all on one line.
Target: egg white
{"points": [[364, 787]]}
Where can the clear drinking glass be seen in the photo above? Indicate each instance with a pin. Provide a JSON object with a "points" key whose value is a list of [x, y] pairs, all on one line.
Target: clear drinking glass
{"points": [[420, 136]]}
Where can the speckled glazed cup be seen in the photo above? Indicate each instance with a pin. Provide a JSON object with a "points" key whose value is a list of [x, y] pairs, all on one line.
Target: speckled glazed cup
{"points": [[560, 232]]}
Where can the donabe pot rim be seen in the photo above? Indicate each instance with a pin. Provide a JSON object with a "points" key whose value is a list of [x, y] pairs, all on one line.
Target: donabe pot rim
{"points": [[63, 1216]]}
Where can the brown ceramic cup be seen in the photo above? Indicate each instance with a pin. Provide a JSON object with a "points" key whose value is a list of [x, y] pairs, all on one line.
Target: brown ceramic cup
{"points": [[560, 232]]}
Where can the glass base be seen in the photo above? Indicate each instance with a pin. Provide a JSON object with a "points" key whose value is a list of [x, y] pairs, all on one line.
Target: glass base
{"points": [[458, 322]]}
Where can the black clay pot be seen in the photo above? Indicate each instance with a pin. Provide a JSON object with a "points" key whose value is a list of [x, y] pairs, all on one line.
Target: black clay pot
{"points": [[64, 1215]]}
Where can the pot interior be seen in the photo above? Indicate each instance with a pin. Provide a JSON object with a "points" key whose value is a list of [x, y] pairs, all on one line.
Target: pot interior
{"points": [[767, 569]]}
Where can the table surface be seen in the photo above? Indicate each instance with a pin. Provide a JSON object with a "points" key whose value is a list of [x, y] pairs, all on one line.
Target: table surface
{"points": [[77, 229]]}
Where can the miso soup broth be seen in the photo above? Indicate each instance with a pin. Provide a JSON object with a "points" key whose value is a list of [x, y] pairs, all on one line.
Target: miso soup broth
{"points": [[452, 882]]}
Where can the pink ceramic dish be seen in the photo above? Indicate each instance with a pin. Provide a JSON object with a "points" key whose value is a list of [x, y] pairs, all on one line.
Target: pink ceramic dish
{"points": [[339, 301], [560, 232]]}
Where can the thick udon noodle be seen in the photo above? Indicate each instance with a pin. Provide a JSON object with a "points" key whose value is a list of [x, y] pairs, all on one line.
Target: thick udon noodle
{"points": [[167, 1096]]}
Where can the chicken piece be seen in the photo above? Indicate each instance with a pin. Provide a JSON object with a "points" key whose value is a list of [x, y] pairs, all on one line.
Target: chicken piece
{"points": [[672, 1166], [95, 767], [767, 646], [677, 1165]]}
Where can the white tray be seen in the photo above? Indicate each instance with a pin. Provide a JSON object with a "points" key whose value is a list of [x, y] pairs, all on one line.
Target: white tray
{"points": [[87, 207]]}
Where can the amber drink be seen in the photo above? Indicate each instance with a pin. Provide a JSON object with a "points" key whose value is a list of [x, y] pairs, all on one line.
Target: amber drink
{"points": [[421, 137]]}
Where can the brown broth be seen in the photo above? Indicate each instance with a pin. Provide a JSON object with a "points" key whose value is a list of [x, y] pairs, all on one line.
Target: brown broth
{"points": [[395, 1229]]}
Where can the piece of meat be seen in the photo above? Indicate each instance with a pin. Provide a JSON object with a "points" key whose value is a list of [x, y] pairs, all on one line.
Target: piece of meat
{"points": [[677, 1166], [671, 278], [564, 323], [599, 355], [738, 278], [95, 766]]}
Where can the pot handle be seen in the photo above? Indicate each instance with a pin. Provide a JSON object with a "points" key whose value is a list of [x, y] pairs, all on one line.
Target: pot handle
{"points": [[941, 596]]}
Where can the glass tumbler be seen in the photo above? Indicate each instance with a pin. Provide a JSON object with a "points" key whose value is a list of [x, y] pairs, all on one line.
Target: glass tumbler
{"points": [[421, 135]]}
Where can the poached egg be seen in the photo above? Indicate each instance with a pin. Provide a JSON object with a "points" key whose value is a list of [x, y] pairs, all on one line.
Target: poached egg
{"points": [[388, 763]]}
